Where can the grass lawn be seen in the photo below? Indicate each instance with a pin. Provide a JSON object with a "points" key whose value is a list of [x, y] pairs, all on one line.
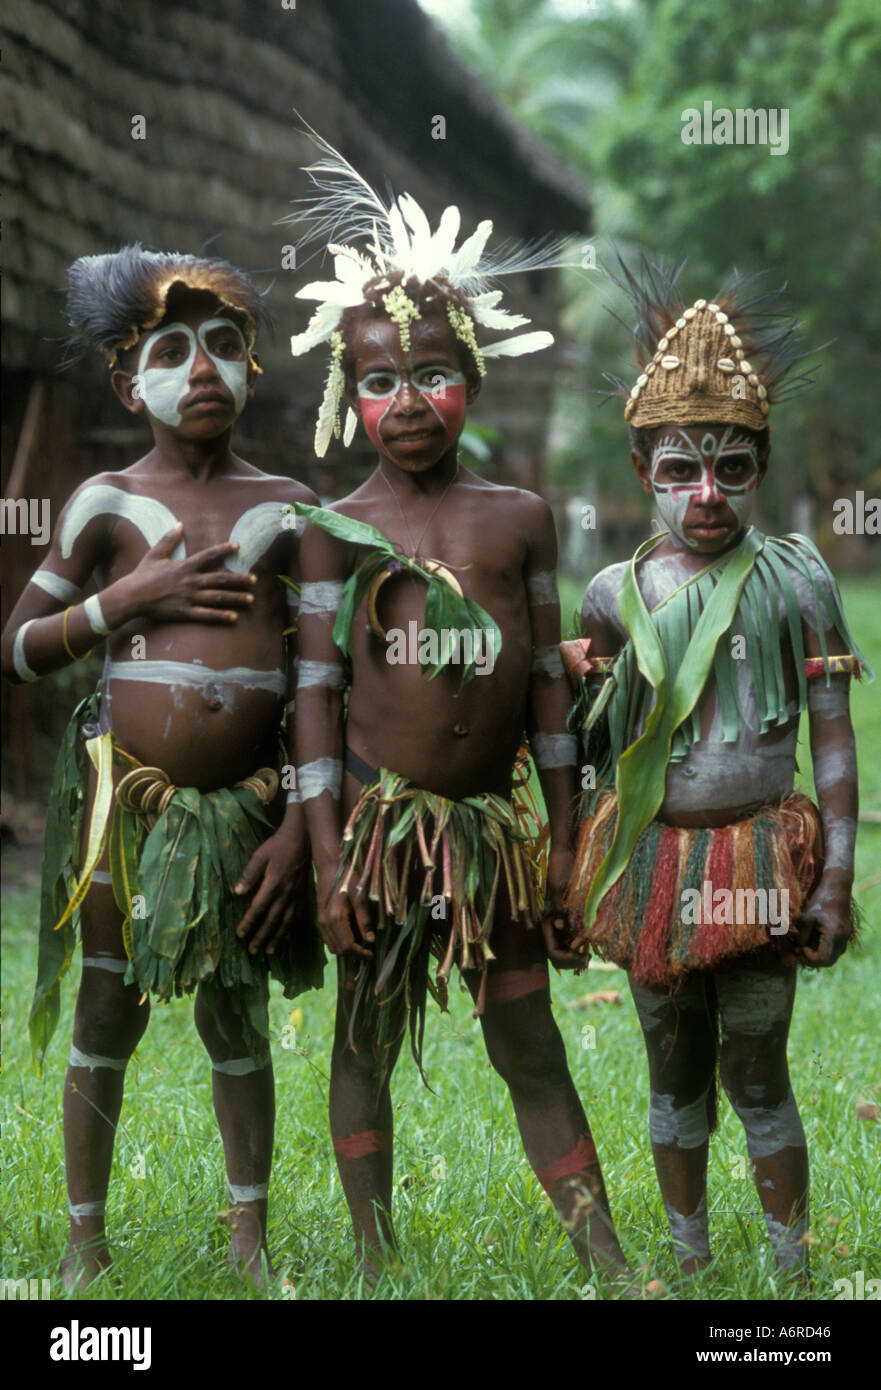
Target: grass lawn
{"points": [[473, 1222]]}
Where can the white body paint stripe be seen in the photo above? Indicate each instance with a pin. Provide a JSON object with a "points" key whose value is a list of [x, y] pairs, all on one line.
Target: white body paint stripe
{"points": [[326, 673], [80, 1209], [153, 519], [241, 1066], [542, 588], [322, 597], [248, 1194], [183, 673], [322, 775], [92, 609], [293, 598], [53, 584], [554, 750], [85, 1059], [294, 798], [19, 660], [255, 531], [109, 963], [547, 662], [688, 1126]]}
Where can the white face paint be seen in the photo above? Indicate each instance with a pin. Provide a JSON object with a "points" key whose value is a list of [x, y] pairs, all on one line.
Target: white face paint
{"points": [[163, 388], [703, 483]]}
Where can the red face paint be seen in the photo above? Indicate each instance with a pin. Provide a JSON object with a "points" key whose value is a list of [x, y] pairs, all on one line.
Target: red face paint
{"points": [[445, 416]]}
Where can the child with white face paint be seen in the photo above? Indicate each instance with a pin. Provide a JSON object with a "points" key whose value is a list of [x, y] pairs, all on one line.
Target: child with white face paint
{"points": [[178, 754], [698, 656]]}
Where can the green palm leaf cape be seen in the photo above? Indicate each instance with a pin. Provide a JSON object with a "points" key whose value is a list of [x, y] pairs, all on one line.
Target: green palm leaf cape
{"points": [[444, 608], [661, 672], [173, 887]]}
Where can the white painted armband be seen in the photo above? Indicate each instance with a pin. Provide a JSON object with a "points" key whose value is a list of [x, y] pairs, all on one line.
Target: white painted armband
{"points": [[554, 750], [542, 588], [321, 598], [53, 584], [547, 661], [92, 610], [322, 775], [19, 660], [327, 673]]}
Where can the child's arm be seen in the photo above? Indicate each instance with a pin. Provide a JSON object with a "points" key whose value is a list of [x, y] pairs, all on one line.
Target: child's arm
{"points": [[324, 567], [51, 625], [826, 925], [279, 863], [554, 749]]}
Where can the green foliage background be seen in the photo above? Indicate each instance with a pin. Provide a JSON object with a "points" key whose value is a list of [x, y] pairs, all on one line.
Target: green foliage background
{"points": [[606, 84]]}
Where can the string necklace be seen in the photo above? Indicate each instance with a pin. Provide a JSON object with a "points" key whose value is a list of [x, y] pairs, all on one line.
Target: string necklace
{"points": [[415, 545]]}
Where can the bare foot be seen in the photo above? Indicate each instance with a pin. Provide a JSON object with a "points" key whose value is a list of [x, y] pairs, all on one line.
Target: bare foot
{"points": [[247, 1244], [85, 1259]]}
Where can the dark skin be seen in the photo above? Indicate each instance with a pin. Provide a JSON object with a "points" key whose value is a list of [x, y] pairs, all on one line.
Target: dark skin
{"points": [[713, 528], [451, 742], [185, 610]]}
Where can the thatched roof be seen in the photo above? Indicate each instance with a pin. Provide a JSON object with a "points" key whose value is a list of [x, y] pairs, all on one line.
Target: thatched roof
{"points": [[217, 82]]}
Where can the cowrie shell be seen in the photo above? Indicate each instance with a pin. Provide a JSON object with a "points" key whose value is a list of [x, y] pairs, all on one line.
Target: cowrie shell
{"points": [[663, 344], [669, 362], [680, 323], [725, 364], [720, 317], [700, 304], [714, 309], [761, 393], [642, 379], [729, 329], [745, 366], [689, 313]]}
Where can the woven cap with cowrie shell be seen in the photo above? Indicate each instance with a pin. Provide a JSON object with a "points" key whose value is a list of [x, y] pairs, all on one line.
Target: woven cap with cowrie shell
{"points": [[699, 373]]}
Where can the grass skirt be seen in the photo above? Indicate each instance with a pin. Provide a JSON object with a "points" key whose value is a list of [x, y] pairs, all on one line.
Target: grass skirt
{"points": [[641, 923], [172, 874], [433, 868]]}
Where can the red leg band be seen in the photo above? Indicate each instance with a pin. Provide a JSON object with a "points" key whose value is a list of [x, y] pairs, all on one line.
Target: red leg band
{"points": [[582, 1158], [372, 1141], [504, 986]]}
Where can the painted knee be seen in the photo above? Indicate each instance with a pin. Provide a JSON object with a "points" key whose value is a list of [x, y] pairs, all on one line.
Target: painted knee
{"points": [[770, 1128], [110, 1021], [672, 1123]]}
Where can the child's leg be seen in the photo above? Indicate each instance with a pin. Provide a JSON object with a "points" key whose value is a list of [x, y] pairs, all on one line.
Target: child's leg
{"points": [[108, 1025], [526, 1049], [244, 1103], [755, 1004], [361, 1125], [681, 1048]]}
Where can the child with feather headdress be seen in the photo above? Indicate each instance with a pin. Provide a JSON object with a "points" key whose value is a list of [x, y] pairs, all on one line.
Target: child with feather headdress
{"points": [[420, 850]]}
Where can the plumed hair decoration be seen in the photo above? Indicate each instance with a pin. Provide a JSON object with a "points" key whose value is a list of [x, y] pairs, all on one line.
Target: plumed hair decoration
{"points": [[386, 253], [114, 298]]}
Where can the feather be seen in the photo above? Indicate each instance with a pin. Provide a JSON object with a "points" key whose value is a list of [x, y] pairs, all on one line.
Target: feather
{"points": [[351, 426], [516, 347], [498, 318], [319, 328], [331, 292], [324, 425], [462, 264], [445, 237]]}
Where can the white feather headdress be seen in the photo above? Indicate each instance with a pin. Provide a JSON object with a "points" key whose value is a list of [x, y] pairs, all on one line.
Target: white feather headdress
{"points": [[398, 241]]}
